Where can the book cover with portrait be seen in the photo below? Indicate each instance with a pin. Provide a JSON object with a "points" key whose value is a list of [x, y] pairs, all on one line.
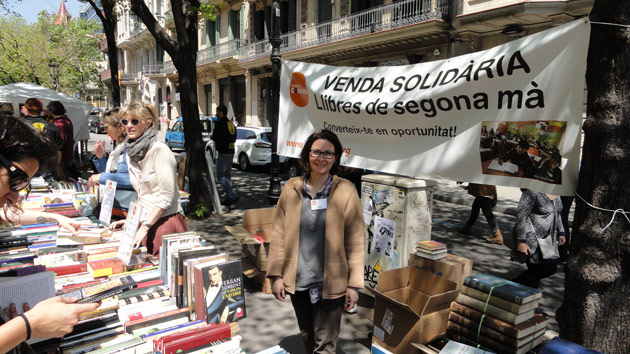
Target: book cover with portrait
{"points": [[224, 293]]}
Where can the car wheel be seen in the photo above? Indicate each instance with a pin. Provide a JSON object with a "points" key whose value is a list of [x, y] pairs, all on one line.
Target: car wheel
{"points": [[243, 162]]}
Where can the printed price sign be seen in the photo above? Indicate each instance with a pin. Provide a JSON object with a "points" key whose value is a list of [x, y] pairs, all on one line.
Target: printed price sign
{"points": [[131, 226], [108, 202]]}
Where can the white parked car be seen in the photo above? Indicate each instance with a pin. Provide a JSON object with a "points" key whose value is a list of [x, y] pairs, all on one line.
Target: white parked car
{"points": [[253, 147]]}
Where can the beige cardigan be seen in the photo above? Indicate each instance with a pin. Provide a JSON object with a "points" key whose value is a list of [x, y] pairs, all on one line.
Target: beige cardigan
{"points": [[343, 243], [155, 180]]}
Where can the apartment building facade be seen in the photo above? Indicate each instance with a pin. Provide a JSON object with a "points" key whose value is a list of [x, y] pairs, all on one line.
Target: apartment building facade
{"points": [[233, 66]]}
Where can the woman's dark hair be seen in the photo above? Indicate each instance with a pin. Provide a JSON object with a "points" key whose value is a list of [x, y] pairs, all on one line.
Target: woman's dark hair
{"points": [[306, 150], [56, 108], [523, 144], [19, 141]]}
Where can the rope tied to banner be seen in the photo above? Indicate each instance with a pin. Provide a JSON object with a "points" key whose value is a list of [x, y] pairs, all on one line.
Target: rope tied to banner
{"points": [[615, 212], [610, 24]]}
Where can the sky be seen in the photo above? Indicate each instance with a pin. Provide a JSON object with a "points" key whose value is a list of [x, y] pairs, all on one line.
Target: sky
{"points": [[30, 8]]}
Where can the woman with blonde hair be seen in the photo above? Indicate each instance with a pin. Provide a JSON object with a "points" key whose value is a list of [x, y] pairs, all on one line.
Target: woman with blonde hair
{"points": [[115, 167], [153, 174]]}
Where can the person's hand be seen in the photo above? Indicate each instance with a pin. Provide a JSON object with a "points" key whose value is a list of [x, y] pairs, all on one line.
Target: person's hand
{"points": [[562, 240], [277, 288], [56, 316], [11, 311], [500, 162], [68, 224], [117, 225], [94, 180], [524, 248], [141, 233], [352, 296], [99, 148]]}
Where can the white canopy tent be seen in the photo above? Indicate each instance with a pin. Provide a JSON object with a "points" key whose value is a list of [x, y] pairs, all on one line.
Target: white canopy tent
{"points": [[77, 110]]}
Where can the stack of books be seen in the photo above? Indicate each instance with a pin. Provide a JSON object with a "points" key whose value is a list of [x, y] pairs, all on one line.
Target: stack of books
{"points": [[431, 249], [497, 314]]}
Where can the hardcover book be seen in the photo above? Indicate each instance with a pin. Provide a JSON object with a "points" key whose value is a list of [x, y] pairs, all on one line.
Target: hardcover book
{"points": [[457, 332], [494, 311], [503, 288], [219, 289], [430, 245], [107, 289], [194, 272], [430, 254], [183, 256], [499, 302], [471, 318]]}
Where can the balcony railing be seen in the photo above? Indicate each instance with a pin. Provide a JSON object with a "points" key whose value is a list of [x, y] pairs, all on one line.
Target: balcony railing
{"points": [[218, 52], [169, 67], [153, 69], [377, 19], [129, 77], [106, 75]]}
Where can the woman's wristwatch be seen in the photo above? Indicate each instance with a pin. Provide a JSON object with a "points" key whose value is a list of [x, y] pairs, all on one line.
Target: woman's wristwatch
{"points": [[147, 224]]}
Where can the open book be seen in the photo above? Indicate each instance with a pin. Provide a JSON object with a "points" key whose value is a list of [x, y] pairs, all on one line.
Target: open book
{"points": [[505, 167]]}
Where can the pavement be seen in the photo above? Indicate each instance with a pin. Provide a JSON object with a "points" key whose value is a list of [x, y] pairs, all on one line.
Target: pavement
{"points": [[270, 322]]}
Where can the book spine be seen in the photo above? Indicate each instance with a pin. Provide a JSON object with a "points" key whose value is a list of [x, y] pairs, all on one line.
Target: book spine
{"points": [[510, 291], [488, 332], [489, 309], [474, 315], [499, 302], [107, 294], [483, 340], [192, 342], [200, 299], [487, 323]]}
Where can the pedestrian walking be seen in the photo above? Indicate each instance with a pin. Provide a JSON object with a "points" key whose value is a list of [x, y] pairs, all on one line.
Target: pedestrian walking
{"points": [[538, 233], [224, 136], [485, 199]]}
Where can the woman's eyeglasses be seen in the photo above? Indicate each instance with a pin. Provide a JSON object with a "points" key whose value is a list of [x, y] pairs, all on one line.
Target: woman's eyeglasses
{"points": [[327, 154], [133, 121], [18, 178]]}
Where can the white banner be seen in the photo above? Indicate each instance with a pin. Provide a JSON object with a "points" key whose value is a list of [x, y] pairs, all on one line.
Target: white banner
{"points": [[460, 119]]}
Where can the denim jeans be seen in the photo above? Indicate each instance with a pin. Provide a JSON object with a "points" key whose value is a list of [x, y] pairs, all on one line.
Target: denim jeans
{"points": [[224, 173]]}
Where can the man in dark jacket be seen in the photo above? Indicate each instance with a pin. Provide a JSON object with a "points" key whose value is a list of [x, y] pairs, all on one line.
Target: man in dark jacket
{"points": [[224, 136]]}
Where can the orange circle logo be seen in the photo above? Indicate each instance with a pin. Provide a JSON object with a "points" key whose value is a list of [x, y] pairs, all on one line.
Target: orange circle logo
{"points": [[298, 90]]}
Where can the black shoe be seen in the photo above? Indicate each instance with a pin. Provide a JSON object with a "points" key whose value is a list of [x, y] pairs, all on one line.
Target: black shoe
{"points": [[232, 201], [224, 201]]}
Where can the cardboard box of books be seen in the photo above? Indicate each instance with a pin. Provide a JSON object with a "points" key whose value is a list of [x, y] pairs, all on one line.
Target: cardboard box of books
{"points": [[451, 267], [255, 235], [410, 306]]}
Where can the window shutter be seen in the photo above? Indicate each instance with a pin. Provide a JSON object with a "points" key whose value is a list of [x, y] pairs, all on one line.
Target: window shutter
{"points": [[304, 12]]}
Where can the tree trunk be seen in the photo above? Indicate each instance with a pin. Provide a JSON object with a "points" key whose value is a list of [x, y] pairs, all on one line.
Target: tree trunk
{"points": [[183, 52], [109, 27], [595, 311]]}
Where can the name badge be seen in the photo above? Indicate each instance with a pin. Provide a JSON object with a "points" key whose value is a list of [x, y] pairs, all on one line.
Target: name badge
{"points": [[143, 177], [318, 204], [121, 158]]}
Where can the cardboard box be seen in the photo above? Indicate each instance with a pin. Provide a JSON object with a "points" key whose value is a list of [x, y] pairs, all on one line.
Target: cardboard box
{"points": [[451, 267], [410, 306], [258, 276], [255, 222]]}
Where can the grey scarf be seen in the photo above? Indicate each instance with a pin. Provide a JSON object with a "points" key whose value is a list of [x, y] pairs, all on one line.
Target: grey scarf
{"points": [[137, 149]]}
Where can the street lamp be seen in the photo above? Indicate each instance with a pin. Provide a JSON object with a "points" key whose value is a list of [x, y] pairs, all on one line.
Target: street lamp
{"points": [[274, 99], [53, 66]]}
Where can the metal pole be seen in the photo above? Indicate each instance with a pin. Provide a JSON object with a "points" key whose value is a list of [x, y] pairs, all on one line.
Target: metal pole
{"points": [[274, 99]]}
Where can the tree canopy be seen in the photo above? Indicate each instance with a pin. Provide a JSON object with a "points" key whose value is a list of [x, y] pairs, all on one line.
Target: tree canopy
{"points": [[27, 49]]}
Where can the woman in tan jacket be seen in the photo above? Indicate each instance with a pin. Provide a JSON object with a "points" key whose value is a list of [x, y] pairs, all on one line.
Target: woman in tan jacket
{"points": [[316, 252]]}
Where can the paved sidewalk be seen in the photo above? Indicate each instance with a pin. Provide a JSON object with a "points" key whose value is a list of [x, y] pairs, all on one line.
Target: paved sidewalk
{"points": [[270, 322]]}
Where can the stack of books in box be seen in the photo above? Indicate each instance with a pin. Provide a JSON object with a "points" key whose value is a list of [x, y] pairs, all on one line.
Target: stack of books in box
{"points": [[498, 314], [431, 249]]}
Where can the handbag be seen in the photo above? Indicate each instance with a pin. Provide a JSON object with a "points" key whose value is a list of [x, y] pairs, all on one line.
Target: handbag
{"points": [[549, 245]]}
